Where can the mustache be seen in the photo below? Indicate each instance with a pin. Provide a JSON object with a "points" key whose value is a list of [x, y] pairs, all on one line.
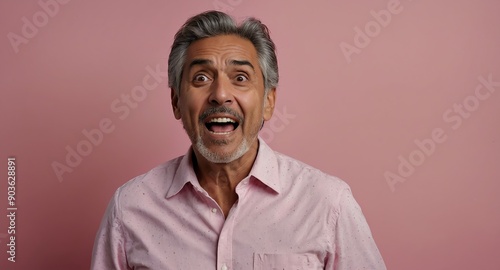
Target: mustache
{"points": [[215, 110]]}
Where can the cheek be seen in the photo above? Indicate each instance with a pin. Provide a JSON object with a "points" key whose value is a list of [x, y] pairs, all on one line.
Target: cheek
{"points": [[190, 106]]}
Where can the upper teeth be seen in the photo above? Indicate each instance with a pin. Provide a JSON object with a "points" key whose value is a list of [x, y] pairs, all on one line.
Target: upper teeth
{"points": [[222, 120]]}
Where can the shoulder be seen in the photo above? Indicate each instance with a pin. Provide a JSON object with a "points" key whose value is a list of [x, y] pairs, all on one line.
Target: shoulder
{"points": [[297, 174], [301, 171], [315, 190], [153, 183]]}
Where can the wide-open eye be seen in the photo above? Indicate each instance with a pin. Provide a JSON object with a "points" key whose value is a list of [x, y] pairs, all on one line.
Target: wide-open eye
{"points": [[241, 78], [200, 78]]}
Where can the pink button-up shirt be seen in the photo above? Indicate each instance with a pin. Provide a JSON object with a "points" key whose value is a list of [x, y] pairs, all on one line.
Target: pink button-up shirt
{"points": [[288, 216]]}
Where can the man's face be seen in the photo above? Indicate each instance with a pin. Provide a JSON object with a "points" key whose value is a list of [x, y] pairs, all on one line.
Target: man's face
{"points": [[221, 101]]}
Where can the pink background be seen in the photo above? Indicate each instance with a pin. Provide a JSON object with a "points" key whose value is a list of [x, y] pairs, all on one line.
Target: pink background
{"points": [[352, 119]]}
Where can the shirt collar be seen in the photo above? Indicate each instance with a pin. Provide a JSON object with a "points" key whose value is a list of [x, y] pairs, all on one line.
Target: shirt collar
{"points": [[183, 174], [264, 169]]}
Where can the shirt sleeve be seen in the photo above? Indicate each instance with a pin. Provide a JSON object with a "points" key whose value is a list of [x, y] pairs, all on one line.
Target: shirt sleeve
{"points": [[109, 246], [354, 244]]}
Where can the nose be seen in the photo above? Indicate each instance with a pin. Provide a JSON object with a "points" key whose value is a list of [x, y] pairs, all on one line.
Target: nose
{"points": [[220, 92]]}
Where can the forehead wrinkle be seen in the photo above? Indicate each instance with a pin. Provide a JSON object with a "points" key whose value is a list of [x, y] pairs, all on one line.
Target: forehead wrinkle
{"points": [[234, 62], [241, 62], [200, 61], [196, 50], [223, 52]]}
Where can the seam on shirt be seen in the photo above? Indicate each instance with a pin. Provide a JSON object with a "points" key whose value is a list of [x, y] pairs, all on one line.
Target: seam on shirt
{"points": [[119, 220], [336, 212]]}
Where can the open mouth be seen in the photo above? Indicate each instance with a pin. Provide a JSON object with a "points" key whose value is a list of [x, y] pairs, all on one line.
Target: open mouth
{"points": [[221, 125]]}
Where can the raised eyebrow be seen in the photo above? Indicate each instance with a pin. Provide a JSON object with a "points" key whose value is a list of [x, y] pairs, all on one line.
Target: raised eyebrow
{"points": [[200, 62], [241, 63]]}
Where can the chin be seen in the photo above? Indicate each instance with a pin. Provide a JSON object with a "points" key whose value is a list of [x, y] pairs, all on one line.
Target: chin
{"points": [[221, 157]]}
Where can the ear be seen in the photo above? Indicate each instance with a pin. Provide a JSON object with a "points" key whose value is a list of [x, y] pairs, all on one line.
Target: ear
{"points": [[175, 103], [269, 102]]}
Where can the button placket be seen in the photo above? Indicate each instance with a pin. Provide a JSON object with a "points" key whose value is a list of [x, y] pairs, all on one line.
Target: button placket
{"points": [[225, 244]]}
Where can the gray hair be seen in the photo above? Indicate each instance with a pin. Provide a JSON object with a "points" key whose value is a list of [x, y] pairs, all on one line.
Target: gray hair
{"points": [[215, 23]]}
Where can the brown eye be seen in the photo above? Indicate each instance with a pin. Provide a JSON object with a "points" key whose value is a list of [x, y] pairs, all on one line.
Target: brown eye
{"points": [[200, 78], [241, 78]]}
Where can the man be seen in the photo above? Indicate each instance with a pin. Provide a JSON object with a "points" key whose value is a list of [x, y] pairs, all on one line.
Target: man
{"points": [[231, 202]]}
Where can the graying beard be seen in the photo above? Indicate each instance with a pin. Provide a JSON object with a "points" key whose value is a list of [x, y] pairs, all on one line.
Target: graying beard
{"points": [[217, 158]]}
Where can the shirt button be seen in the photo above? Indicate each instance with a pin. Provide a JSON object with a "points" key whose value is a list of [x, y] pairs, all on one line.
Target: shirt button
{"points": [[224, 267], [214, 210]]}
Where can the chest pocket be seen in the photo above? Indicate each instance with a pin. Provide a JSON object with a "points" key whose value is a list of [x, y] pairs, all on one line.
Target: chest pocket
{"points": [[303, 261]]}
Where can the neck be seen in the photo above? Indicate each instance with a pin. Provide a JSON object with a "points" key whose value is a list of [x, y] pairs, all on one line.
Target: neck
{"points": [[220, 179]]}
